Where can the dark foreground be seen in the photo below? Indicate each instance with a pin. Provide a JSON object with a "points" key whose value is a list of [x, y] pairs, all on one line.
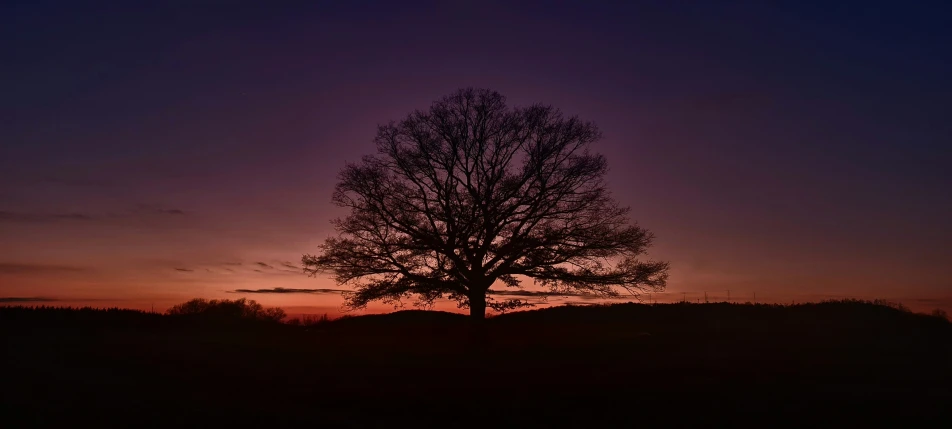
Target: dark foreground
{"points": [[834, 364]]}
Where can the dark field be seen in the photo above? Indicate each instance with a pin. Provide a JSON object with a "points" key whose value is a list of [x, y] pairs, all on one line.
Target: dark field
{"points": [[837, 364]]}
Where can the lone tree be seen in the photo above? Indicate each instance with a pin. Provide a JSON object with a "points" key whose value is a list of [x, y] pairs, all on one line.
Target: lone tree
{"points": [[473, 191]]}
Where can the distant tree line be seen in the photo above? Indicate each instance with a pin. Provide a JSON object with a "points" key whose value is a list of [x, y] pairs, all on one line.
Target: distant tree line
{"points": [[224, 309]]}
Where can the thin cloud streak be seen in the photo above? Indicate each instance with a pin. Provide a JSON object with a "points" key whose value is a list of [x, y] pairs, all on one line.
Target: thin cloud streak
{"points": [[13, 299], [40, 217], [152, 209], [280, 290], [542, 294], [16, 268], [8, 216]]}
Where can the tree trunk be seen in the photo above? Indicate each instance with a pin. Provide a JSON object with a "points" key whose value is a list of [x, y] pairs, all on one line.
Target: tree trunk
{"points": [[477, 305]]}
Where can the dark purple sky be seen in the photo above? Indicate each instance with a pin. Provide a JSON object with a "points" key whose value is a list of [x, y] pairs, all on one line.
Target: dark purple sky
{"points": [[158, 153]]}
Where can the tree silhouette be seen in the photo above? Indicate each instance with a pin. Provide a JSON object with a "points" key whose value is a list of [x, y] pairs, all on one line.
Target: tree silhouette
{"points": [[227, 310], [473, 191]]}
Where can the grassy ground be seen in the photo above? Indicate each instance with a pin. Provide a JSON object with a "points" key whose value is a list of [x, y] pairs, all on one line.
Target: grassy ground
{"points": [[828, 364]]}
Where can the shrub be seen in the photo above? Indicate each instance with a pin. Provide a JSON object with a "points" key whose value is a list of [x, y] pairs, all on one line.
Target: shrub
{"points": [[223, 310]]}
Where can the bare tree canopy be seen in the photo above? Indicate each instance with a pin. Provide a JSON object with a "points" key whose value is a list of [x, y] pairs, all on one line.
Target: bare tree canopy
{"points": [[473, 191]]}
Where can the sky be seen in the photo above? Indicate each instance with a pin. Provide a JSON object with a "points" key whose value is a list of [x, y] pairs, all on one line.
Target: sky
{"points": [[782, 151]]}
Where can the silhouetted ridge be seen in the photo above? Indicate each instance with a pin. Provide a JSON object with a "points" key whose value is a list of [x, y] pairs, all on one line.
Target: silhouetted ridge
{"points": [[855, 314], [402, 317], [719, 361]]}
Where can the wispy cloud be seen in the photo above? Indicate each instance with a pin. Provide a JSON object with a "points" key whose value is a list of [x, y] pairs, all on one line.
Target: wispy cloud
{"points": [[271, 268], [289, 290], [17, 268], [172, 212], [8, 216], [153, 209], [579, 303], [49, 217], [61, 180], [541, 294], [26, 299], [511, 293]]}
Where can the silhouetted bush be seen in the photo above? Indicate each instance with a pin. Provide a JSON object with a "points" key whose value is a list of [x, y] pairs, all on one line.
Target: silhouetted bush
{"points": [[308, 320], [227, 310]]}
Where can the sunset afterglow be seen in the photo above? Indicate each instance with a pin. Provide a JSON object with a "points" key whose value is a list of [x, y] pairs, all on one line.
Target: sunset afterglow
{"points": [[151, 157]]}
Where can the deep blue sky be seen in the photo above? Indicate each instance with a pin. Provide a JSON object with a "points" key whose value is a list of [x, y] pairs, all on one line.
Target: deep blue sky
{"points": [[793, 149]]}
